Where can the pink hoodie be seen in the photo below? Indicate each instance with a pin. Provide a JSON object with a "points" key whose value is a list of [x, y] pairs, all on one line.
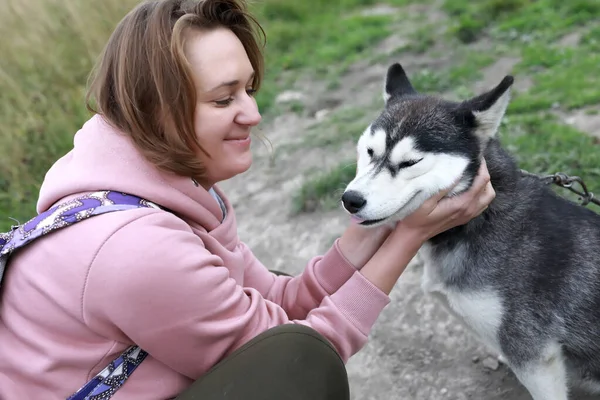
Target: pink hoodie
{"points": [[180, 285]]}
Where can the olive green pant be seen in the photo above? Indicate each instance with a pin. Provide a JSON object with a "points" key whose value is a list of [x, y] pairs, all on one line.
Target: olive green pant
{"points": [[288, 362]]}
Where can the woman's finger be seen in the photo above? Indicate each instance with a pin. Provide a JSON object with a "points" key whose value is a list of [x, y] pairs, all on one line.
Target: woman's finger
{"points": [[462, 204], [482, 202], [481, 179]]}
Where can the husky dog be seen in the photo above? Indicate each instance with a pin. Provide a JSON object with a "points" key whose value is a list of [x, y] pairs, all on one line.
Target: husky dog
{"points": [[524, 276]]}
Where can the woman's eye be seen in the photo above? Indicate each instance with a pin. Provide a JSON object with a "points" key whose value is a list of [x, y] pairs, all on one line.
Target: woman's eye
{"points": [[225, 102], [228, 101], [409, 163]]}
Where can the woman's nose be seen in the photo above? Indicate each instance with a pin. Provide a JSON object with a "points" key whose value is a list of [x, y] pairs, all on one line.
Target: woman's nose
{"points": [[249, 114]]}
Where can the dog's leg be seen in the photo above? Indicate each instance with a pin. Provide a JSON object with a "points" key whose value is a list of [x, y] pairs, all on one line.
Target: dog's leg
{"points": [[545, 378]]}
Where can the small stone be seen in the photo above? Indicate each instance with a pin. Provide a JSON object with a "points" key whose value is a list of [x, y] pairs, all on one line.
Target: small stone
{"points": [[289, 96], [443, 391], [526, 38], [379, 10], [491, 363], [475, 359], [321, 114]]}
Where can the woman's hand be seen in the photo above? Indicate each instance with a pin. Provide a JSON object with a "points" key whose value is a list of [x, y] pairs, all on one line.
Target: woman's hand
{"points": [[436, 215]]}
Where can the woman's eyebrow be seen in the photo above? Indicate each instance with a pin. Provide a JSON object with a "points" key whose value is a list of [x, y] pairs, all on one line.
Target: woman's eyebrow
{"points": [[230, 83]]}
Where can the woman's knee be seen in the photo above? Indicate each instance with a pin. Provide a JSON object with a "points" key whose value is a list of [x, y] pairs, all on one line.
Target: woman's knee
{"points": [[299, 338], [289, 361], [309, 358]]}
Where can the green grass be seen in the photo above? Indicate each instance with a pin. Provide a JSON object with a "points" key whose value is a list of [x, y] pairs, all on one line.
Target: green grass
{"points": [[325, 44], [47, 51], [316, 37], [563, 78], [324, 191], [518, 19], [466, 70], [340, 127], [565, 149]]}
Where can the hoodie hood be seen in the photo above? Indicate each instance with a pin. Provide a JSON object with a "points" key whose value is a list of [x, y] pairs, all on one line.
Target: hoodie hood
{"points": [[103, 158]]}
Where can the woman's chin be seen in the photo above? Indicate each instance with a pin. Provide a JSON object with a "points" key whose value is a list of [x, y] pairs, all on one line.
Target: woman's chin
{"points": [[234, 168]]}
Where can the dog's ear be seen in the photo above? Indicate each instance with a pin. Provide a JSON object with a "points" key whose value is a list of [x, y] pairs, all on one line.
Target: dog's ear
{"points": [[396, 83], [489, 108]]}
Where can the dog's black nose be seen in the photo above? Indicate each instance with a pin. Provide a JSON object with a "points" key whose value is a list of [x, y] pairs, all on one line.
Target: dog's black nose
{"points": [[353, 201]]}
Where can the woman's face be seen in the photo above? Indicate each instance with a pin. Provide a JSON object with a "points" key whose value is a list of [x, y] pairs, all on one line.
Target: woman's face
{"points": [[226, 109]]}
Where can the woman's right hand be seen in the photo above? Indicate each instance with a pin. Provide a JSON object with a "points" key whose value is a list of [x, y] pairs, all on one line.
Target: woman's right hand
{"points": [[436, 215]]}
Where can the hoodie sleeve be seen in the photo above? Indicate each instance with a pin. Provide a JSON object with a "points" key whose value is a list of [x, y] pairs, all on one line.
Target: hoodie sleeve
{"points": [[154, 281], [323, 276]]}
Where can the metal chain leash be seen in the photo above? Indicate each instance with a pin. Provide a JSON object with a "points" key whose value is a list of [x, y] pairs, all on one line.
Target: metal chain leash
{"points": [[565, 181]]}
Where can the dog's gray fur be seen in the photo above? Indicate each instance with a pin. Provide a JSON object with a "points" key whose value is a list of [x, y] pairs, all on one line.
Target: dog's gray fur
{"points": [[524, 275]]}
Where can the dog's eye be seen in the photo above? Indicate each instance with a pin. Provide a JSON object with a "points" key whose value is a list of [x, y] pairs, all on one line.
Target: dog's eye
{"points": [[409, 163], [370, 152]]}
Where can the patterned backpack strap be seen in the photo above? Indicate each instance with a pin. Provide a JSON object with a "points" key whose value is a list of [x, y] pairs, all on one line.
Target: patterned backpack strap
{"points": [[111, 378], [63, 215]]}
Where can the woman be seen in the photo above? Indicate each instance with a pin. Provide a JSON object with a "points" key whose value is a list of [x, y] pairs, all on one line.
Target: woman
{"points": [[173, 114]]}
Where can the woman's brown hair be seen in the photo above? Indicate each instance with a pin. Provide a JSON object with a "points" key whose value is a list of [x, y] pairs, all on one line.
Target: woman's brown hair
{"points": [[143, 85]]}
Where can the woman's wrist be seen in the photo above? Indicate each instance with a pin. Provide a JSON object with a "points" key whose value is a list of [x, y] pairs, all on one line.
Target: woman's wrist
{"points": [[388, 264], [413, 237], [358, 244]]}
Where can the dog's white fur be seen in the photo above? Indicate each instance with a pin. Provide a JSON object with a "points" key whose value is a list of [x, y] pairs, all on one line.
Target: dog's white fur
{"points": [[547, 378], [393, 198], [483, 309]]}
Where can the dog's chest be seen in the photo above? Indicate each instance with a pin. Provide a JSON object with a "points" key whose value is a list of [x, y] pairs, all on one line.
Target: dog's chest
{"points": [[479, 308]]}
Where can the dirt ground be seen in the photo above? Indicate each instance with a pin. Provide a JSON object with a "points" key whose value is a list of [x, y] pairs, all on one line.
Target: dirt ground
{"points": [[416, 350]]}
